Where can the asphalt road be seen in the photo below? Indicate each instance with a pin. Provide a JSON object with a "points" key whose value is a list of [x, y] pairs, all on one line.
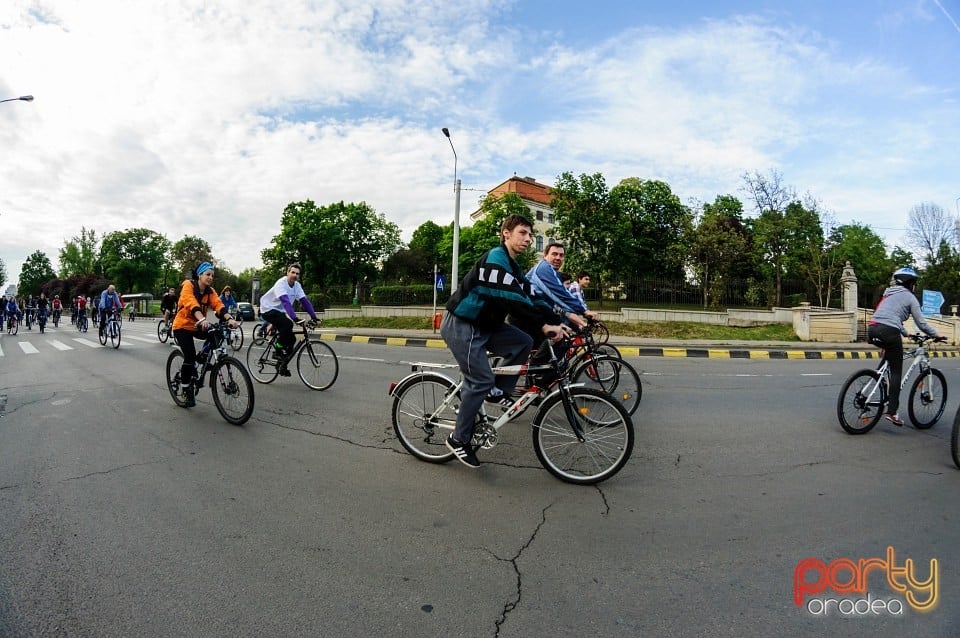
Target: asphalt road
{"points": [[123, 515]]}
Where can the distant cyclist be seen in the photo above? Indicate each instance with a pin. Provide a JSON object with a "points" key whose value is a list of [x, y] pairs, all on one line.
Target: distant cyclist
{"points": [[886, 331], [168, 303], [109, 302], [276, 306], [57, 308]]}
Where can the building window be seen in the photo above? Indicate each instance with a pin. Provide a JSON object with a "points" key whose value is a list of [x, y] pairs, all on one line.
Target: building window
{"points": [[539, 215], [550, 218], [539, 243]]}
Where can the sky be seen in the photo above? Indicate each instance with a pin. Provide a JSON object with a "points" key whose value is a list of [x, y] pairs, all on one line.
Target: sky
{"points": [[208, 117]]}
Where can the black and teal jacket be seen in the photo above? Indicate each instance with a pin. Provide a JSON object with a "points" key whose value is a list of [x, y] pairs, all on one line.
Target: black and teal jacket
{"points": [[496, 287]]}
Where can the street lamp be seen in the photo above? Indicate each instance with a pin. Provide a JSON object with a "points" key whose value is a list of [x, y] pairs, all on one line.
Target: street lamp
{"points": [[25, 98], [456, 218]]}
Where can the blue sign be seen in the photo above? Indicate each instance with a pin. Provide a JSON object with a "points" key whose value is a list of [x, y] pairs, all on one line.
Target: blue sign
{"points": [[932, 301], [439, 282]]}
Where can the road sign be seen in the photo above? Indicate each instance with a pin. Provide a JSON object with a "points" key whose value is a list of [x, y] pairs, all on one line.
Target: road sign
{"points": [[439, 282], [932, 301]]}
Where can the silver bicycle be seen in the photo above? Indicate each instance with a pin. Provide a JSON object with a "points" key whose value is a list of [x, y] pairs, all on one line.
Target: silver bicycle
{"points": [[866, 392]]}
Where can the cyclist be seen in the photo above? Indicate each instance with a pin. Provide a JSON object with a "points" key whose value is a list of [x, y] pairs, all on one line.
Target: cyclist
{"points": [[197, 296], [226, 296], [886, 331], [57, 308], [31, 308], [81, 308], [546, 282], [109, 302], [12, 311], [578, 286], [168, 303], [42, 304], [276, 306], [475, 323]]}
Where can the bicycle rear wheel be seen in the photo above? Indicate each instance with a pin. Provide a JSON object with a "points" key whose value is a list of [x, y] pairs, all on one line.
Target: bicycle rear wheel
{"points": [[232, 390], [263, 368], [607, 436], [102, 334], [317, 364], [928, 398], [612, 376], [857, 410], [114, 334], [955, 439], [14, 327], [236, 338], [423, 431], [174, 363], [162, 333]]}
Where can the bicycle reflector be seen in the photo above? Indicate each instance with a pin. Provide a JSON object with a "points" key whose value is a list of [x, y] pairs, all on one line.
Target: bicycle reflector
{"points": [[392, 386]]}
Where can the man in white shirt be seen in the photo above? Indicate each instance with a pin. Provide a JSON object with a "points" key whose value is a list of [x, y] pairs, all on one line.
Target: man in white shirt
{"points": [[276, 306]]}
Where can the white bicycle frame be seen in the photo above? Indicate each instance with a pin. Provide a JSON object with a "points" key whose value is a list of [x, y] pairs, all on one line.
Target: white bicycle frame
{"points": [[919, 356]]}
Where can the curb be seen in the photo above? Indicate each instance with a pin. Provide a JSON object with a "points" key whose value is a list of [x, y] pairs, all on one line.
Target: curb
{"points": [[715, 352]]}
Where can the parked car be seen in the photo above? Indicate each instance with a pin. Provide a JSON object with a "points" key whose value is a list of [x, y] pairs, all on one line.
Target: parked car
{"points": [[245, 310]]}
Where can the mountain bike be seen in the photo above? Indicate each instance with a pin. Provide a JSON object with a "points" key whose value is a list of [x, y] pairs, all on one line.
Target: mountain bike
{"points": [[317, 363], [110, 329], [230, 382], [865, 393], [235, 338], [580, 435], [165, 329]]}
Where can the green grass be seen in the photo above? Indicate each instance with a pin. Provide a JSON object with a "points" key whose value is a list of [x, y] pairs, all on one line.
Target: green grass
{"points": [[652, 329]]}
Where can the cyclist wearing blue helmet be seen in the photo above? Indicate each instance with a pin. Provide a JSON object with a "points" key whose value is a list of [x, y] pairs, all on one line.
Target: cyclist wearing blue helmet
{"points": [[886, 331]]}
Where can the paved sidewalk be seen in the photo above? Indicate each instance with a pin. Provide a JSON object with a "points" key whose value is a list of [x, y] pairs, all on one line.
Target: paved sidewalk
{"points": [[645, 347]]}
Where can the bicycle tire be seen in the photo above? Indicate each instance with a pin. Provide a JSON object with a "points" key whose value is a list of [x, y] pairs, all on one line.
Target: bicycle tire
{"points": [[115, 334], [174, 363], [261, 366], [421, 431], [102, 334], [317, 364], [236, 338], [927, 400], [162, 333], [56, 321], [232, 390], [14, 328], [601, 335], [856, 415], [955, 439], [607, 431], [612, 376]]}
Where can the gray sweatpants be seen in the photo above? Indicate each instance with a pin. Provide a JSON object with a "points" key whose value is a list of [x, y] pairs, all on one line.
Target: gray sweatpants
{"points": [[469, 347]]}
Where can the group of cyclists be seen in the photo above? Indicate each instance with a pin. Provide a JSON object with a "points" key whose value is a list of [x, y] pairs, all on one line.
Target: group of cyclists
{"points": [[38, 309]]}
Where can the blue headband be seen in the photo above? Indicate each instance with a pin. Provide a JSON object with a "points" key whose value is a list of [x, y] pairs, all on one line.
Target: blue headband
{"points": [[204, 267]]}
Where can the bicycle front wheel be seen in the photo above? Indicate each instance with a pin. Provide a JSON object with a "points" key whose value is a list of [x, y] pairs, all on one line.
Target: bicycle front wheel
{"points": [[14, 328], [861, 401], [115, 334], [102, 333], [418, 422], [236, 337], [162, 333], [232, 390], [174, 363], [955, 439], [607, 436], [317, 364], [612, 376], [928, 398], [261, 366]]}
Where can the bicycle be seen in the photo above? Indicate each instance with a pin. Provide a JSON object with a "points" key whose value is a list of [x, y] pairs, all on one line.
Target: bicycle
{"points": [[13, 324], [317, 363], [230, 382], [29, 318], [110, 329], [42, 319], [82, 321], [56, 318], [864, 394], [235, 338], [955, 439], [580, 435], [165, 328]]}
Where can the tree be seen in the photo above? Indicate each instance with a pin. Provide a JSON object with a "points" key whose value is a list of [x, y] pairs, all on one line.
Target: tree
{"points": [[587, 222], [651, 229], [336, 244], [189, 251], [485, 233], [36, 271], [426, 241], [79, 255], [134, 258], [770, 197], [3, 272], [721, 247], [864, 249], [943, 273], [928, 226]]}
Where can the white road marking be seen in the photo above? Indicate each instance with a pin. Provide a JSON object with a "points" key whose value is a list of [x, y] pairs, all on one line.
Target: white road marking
{"points": [[28, 348], [143, 339], [87, 342], [59, 345]]}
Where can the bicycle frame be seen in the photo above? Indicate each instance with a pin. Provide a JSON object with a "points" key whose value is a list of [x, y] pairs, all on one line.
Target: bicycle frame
{"points": [[920, 358]]}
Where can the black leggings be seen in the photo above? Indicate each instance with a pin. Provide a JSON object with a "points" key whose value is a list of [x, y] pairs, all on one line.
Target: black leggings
{"points": [[185, 339], [890, 339]]}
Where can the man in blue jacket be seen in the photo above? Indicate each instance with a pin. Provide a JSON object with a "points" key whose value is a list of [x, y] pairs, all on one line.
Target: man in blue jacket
{"points": [[545, 277]]}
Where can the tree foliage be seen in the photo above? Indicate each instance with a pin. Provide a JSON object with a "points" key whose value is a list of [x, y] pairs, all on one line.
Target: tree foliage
{"points": [[36, 271], [134, 259], [928, 227], [721, 247], [188, 252], [336, 244], [652, 228], [587, 222], [79, 255]]}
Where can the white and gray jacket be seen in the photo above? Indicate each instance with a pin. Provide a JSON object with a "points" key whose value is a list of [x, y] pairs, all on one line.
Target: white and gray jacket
{"points": [[895, 306]]}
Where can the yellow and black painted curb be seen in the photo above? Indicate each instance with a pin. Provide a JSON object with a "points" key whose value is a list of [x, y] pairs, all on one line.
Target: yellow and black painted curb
{"points": [[804, 354]]}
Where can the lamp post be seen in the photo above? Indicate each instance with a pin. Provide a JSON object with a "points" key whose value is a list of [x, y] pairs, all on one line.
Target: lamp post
{"points": [[25, 98], [454, 279]]}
